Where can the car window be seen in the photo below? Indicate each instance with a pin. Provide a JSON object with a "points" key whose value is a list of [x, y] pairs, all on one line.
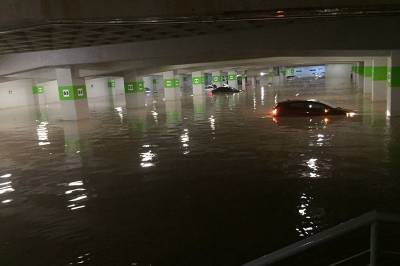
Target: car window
{"points": [[296, 105], [316, 106]]}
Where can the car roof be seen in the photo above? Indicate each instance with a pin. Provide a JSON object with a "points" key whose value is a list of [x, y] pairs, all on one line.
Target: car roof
{"points": [[301, 101]]}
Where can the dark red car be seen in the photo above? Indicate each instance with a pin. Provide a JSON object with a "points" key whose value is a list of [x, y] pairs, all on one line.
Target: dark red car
{"points": [[307, 108]]}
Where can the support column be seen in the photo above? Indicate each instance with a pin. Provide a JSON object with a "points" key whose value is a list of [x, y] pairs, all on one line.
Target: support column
{"points": [[379, 79], [217, 78], [198, 83], [393, 92], [232, 79], [368, 77], [72, 94], [38, 94], [253, 81], [360, 72], [135, 96], [171, 86], [244, 78], [148, 83], [354, 73]]}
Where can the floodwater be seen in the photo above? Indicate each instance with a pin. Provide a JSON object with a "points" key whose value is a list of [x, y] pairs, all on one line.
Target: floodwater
{"points": [[201, 181]]}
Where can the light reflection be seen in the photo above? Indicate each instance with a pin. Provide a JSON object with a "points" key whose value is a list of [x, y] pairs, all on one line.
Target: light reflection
{"points": [[310, 216], [313, 168], [212, 122], [81, 259], [185, 141], [155, 116], [76, 196], [307, 225], [147, 158], [120, 113], [42, 133], [6, 188], [262, 95]]}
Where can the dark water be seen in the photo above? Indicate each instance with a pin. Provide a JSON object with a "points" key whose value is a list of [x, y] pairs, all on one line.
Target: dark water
{"points": [[203, 181]]}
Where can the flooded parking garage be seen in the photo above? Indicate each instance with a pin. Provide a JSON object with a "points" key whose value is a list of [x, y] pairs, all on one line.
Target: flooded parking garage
{"points": [[206, 180], [184, 133]]}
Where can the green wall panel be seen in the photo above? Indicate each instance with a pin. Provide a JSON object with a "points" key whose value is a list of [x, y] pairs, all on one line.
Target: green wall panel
{"points": [[379, 73]]}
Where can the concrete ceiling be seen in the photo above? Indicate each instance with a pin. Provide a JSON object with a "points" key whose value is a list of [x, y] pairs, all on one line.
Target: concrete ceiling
{"points": [[86, 32], [251, 66]]}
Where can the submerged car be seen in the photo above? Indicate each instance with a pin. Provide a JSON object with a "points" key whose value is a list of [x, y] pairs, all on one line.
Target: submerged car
{"points": [[225, 89], [308, 108]]}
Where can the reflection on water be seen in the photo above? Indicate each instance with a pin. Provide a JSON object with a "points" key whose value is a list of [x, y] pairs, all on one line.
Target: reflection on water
{"points": [[198, 181], [76, 195], [42, 133], [148, 157], [6, 188]]}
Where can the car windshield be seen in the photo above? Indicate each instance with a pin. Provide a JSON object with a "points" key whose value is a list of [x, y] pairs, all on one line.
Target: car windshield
{"points": [[323, 102]]}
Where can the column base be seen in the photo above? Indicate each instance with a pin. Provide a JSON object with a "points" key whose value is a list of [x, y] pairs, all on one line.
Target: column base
{"points": [[75, 110], [135, 100], [393, 102], [379, 91]]}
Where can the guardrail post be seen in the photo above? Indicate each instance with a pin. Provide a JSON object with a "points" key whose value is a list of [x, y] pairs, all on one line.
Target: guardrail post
{"points": [[373, 257]]}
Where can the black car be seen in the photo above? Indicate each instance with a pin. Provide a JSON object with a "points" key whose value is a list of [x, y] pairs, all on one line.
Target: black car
{"points": [[225, 89], [307, 108]]}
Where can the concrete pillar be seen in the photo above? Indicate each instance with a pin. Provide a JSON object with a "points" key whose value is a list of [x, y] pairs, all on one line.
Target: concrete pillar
{"points": [[148, 83], [199, 107], [72, 94], [253, 81], [379, 79], [232, 79], [368, 77], [243, 76], [198, 83], [38, 94], [217, 78], [171, 86], [135, 95], [393, 92], [354, 75], [360, 73], [173, 111]]}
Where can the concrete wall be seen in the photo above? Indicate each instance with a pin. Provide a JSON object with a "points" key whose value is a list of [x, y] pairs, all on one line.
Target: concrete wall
{"points": [[16, 93], [338, 75], [98, 87]]}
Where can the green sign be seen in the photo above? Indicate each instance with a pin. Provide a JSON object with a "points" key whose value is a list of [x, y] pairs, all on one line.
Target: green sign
{"points": [[37, 90], [134, 87], [216, 78], [73, 92], [111, 83], [197, 80], [171, 83], [232, 77]]}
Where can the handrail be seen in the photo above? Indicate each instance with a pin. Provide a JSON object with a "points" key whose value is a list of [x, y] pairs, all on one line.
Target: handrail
{"points": [[324, 236]]}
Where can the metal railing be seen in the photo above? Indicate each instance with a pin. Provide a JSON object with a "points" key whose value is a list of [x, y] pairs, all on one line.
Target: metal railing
{"points": [[371, 219]]}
